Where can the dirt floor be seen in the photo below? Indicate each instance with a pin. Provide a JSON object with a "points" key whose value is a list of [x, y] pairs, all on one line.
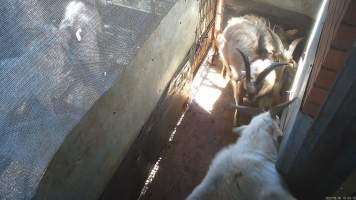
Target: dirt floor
{"points": [[204, 129]]}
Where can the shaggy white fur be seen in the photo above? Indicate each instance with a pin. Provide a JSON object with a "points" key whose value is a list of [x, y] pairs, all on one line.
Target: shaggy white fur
{"points": [[246, 169]]}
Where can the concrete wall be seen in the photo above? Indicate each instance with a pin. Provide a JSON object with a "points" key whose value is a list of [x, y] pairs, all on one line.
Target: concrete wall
{"points": [[96, 146], [306, 7]]}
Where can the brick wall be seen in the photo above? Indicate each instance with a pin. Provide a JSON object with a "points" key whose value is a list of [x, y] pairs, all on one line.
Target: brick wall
{"points": [[332, 64]]}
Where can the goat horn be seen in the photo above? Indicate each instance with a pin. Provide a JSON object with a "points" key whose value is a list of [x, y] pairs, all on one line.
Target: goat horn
{"points": [[261, 45], [268, 70], [247, 66], [293, 45], [277, 41], [278, 108]]}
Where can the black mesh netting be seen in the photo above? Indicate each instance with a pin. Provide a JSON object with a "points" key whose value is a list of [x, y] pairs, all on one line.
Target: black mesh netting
{"points": [[57, 57]]}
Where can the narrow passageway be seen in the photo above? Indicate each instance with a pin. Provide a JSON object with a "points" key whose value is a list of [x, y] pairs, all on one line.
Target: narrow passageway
{"points": [[205, 129]]}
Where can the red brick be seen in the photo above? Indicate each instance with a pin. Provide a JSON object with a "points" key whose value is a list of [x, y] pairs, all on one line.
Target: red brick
{"points": [[345, 37], [350, 15], [326, 78], [335, 59], [311, 109], [317, 96]]}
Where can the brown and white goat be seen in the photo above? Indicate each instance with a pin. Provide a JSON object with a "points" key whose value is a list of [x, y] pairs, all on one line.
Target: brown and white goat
{"points": [[246, 170], [248, 48]]}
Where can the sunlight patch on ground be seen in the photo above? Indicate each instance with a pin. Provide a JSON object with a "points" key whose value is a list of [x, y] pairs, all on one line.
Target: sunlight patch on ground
{"points": [[151, 177], [155, 168], [171, 137], [207, 87]]}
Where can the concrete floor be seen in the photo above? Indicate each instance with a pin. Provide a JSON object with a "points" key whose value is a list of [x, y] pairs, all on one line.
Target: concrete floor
{"points": [[204, 129]]}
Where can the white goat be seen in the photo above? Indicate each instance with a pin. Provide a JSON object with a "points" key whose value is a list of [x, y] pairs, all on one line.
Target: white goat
{"points": [[246, 170], [243, 41], [246, 45], [250, 34]]}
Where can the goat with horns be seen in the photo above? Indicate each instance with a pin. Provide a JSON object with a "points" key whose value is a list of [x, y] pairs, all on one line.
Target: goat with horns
{"points": [[248, 49]]}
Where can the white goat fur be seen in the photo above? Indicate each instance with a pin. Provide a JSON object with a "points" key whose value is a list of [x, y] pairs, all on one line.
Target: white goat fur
{"points": [[246, 169], [244, 33], [253, 36]]}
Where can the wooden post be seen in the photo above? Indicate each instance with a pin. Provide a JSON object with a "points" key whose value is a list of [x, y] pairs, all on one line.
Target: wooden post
{"points": [[219, 17]]}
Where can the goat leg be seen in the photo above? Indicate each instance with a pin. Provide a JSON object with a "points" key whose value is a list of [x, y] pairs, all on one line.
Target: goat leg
{"points": [[236, 88], [225, 71]]}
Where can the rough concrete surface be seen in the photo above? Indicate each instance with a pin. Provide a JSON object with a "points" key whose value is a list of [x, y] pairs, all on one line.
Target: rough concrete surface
{"points": [[274, 12], [92, 152], [57, 58], [305, 7]]}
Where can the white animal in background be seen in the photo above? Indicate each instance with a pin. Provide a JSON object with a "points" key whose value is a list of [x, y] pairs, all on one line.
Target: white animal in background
{"points": [[246, 170]]}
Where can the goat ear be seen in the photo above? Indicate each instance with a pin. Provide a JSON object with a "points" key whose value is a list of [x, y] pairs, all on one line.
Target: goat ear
{"points": [[294, 45], [277, 40], [238, 130]]}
